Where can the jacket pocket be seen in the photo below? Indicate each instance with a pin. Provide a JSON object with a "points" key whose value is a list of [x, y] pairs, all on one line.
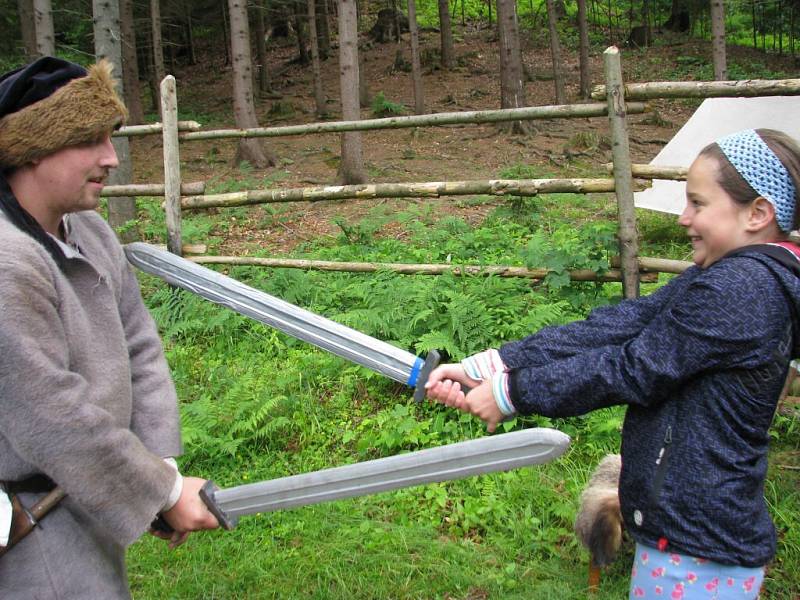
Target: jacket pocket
{"points": [[661, 467]]}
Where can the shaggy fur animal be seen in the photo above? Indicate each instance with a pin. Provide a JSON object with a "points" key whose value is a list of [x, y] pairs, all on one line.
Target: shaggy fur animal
{"points": [[598, 523], [83, 110]]}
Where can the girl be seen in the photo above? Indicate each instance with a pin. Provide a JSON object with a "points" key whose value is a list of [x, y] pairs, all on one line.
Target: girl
{"points": [[700, 364]]}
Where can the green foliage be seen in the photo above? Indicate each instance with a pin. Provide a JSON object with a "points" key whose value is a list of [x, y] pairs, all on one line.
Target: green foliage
{"points": [[381, 107]]}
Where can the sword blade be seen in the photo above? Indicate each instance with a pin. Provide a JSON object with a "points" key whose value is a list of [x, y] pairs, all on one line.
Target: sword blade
{"points": [[452, 461], [347, 343]]}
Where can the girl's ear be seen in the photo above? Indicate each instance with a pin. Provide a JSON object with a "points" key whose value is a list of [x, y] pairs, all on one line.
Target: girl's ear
{"points": [[761, 215]]}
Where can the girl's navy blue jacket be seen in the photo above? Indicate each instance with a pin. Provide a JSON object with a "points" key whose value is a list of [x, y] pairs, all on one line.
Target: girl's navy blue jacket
{"points": [[700, 364]]}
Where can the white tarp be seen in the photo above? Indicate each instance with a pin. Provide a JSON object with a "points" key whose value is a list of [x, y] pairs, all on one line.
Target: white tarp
{"points": [[715, 118]]}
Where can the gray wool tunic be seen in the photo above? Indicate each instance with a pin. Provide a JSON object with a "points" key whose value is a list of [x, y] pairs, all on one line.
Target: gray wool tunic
{"points": [[86, 398]]}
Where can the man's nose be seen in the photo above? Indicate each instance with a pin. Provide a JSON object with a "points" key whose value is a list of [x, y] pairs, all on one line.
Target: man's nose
{"points": [[109, 155]]}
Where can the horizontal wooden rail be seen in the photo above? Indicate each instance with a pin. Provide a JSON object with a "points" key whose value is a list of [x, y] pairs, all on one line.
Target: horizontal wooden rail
{"points": [[411, 269], [658, 265], [561, 111], [745, 88], [641, 171], [195, 188], [429, 189], [150, 128]]}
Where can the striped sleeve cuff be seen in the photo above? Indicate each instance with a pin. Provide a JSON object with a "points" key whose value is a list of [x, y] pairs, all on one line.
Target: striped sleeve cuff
{"points": [[501, 395], [483, 365]]}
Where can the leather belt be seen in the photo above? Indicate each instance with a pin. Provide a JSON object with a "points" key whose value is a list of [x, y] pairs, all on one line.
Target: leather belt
{"points": [[35, 484]]}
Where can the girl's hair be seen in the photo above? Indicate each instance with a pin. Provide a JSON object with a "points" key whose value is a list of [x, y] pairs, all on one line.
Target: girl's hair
{"points": [[729, 179]]}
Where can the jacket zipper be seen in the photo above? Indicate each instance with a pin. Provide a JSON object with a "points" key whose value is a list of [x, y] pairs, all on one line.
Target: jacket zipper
{"points": [[661, 463]]}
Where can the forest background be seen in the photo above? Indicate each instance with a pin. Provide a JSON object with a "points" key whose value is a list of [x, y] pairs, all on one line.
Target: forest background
{"points": [[258, 405]]}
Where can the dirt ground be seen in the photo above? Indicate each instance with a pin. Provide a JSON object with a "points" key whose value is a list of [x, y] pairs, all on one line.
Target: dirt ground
{"points": [[555, 147]]}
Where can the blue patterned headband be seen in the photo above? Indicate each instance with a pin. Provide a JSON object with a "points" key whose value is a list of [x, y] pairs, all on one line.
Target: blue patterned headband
{"points": [[759, 167]]}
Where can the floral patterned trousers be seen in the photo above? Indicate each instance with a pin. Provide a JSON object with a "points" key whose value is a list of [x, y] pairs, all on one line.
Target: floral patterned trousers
{"points": [[670, 576]]}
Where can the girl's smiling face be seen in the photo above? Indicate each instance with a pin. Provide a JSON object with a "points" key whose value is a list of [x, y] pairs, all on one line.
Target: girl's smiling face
{"points": [[716, 223]]}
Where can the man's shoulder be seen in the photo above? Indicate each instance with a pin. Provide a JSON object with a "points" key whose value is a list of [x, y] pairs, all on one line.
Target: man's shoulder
{"points": [[14, 241]]}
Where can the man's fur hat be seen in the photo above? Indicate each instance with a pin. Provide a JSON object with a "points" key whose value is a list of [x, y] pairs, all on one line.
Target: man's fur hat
{"points": [[51, 104]]}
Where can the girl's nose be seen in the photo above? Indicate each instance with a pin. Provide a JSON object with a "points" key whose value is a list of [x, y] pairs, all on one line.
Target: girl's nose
{"points": [[685, 219]]}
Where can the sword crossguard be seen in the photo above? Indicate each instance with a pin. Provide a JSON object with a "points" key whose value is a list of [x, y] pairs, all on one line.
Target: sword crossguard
{"points": [[431, 362], [207, 493]]}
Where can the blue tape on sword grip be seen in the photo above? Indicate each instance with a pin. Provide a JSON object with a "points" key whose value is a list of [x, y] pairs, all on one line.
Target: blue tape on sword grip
{"points": [[412, 378]]}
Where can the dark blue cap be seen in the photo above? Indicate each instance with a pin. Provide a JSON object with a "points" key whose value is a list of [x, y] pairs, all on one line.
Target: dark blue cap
{"points": [[36, 81]]}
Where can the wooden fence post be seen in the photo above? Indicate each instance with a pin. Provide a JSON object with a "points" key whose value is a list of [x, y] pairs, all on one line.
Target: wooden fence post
{"points": [[623, 179], [172, 164]]}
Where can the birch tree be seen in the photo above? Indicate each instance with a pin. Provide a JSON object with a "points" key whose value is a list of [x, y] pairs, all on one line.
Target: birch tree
{"points": [[351, 167], [107, 38], [718, 40], [244, 110]]}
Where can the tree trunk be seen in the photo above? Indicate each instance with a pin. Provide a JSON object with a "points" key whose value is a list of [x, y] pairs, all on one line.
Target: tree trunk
{"points": [[226, 32], [447, 35], [555, 52], [416, 68], [583, 32], [187, 11], [512, 86], [244, 110], [718, 40], [323, 29], [107, 38], [261, 49], [130, 65], [158, 54], [319, 94], [300, 19], [364, 97], [43, 20], [351, 168], [28, 28]]}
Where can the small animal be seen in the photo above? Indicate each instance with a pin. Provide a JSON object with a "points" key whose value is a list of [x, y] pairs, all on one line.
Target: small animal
{"points": [[598, 523]]}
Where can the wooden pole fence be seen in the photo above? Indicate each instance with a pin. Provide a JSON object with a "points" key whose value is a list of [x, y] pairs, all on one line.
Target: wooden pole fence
{"points": [[151, 128], [412, 269], [657, 265], [641, 171], [172, 164], [563, 111], [428, 189], [623, 179], [746, 88], [195, 188]]}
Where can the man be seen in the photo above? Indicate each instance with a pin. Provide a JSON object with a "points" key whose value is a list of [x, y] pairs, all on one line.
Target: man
{"points": [[86, 398]]}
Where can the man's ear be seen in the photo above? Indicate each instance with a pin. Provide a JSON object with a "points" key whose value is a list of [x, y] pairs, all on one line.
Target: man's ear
{"points": [[761, 215]]}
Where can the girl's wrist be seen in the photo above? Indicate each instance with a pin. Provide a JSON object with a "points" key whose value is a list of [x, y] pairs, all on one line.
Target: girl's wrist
{"points": [[483, 365], [501, 395]]}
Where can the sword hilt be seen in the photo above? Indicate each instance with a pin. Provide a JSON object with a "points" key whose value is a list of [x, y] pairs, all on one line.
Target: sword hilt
{"points": [[207, 495], [431, 362]]}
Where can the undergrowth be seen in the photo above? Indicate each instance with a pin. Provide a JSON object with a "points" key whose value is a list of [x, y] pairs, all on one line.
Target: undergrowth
{"points": [[257, 404]]}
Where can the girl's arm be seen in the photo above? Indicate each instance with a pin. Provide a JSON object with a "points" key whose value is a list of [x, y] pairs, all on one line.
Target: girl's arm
{"points": [[605, 326]]}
